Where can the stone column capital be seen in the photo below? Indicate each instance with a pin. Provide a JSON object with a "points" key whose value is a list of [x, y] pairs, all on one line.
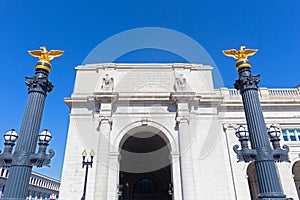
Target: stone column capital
{"points": [[105, 120], [180, 119]]}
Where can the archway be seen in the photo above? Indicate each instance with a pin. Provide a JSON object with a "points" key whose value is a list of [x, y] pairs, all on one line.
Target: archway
{"points": [[296, 173], [145, 167], [252, 181]]}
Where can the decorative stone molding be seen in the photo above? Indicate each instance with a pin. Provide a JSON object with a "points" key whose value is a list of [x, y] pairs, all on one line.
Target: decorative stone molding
{"points": [[107, 82], [145, 121], [230, 126], [105, 119], [182, 119]]}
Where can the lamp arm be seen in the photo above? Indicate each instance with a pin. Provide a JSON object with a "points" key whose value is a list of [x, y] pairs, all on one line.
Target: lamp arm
{"points": [[6, 159], [282, 155], [41, 159], [244, 154]]}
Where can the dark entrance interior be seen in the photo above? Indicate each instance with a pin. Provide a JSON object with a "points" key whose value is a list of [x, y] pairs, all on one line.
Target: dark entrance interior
{"points": [[145, 169]]}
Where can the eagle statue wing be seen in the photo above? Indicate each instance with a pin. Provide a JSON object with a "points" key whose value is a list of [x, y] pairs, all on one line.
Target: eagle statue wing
{"points": [[250, 52], [231, 53], [35, 53], [55, 53]]}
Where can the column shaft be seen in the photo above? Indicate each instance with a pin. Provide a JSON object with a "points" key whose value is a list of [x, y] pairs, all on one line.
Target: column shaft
{"points": [[103, 160], [267, 176], [20, 170], [186, 161], [113, 176]]}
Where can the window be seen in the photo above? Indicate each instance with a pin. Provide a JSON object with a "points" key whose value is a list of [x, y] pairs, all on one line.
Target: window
{"points": [[145, 185], [291, 135]]}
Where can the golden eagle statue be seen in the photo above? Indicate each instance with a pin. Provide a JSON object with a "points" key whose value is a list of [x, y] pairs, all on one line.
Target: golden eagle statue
{"points": [[44, 55], [241, 54]]}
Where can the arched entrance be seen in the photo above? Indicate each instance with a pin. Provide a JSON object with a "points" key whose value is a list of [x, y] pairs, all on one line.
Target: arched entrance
{"points": [[296, 173], [145, 167], [252, 181]]}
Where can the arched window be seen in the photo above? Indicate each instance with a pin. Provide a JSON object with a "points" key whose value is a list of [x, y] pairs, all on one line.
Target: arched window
{"points": [[145, 185], [296, 173]]}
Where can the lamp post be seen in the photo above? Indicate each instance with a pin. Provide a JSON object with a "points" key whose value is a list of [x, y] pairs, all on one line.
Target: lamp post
{"points": [[86, 164], [261, 153], [24, 156]]}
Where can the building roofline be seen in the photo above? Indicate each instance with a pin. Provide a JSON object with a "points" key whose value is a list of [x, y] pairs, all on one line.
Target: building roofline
{"points": [[192, 66]]}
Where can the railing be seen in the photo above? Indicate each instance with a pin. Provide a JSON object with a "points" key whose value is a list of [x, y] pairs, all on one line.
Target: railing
{"points": [[270, 92], [284, 92], [234, 92]]}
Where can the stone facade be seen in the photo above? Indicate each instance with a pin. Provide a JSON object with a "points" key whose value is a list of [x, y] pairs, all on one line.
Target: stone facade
{"points": [[162, 131]]}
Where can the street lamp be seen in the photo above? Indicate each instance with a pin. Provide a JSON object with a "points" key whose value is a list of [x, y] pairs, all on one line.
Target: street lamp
{"points": [[23, 159], [10, 138], [86, 164], [245, 154], [39, 159], [6, 157], [261, 153], [274, 134], [280, 154]]}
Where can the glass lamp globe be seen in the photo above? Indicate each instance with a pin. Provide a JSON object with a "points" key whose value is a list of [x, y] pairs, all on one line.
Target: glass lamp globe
{"points": [[45, 136], [84, 153], [241, 131], [10, 136], [273, 131], [92, 154]]}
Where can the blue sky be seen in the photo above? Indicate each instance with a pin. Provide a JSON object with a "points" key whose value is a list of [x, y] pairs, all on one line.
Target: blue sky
{"points": [[77, 27]]}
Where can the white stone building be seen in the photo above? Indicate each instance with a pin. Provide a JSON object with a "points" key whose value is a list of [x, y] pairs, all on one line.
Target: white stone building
{"points": [[162, 131]]}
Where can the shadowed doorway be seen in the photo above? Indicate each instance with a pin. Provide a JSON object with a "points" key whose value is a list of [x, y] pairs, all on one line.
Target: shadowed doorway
{"points": [[145, 168]]}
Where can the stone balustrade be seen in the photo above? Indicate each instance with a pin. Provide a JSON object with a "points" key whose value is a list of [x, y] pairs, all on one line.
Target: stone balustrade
{"points": [[264, 92]]}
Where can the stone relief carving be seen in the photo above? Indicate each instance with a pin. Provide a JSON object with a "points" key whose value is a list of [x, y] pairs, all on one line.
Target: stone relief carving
{"points": [[180, 81], [107, 82]]}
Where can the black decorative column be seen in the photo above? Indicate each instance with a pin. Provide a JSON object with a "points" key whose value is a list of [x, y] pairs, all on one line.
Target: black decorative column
{"points": [[261, 152], [24, 156]]}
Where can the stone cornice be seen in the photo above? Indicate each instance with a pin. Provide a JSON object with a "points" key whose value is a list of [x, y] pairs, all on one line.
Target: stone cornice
{"points": [[223, 98], [143, 66]]}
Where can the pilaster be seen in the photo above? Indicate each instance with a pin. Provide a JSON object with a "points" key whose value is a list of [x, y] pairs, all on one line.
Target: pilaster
{"points": [[103, 151], [186, 157]]}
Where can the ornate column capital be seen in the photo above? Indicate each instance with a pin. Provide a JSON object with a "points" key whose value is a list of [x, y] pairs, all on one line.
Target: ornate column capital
{"points": [[38, 84], [247, 82], [180, 119], [105, 119]]}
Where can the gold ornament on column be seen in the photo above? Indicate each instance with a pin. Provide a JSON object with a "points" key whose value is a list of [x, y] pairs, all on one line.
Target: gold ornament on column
{"points": [[241, 56], [45, 57]]}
